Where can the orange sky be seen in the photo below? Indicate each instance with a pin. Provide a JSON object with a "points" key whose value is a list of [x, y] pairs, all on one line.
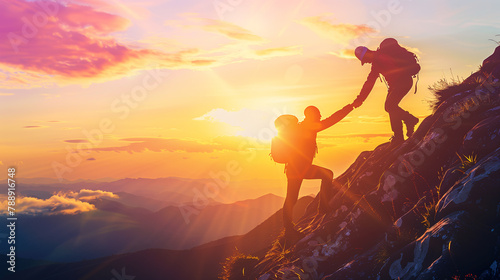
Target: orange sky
{"points": [[130, 89]]}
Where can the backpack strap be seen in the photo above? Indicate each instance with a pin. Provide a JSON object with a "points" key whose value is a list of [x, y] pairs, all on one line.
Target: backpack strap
{"points": [[382, 78], [416, 83], [418, 74]]}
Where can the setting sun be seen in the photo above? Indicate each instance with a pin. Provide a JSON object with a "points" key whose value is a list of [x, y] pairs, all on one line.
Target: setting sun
{"points": [[245, 122]]}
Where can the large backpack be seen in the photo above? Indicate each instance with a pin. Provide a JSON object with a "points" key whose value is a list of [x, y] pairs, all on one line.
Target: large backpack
{"points": [[405, 61], [285, 143]]}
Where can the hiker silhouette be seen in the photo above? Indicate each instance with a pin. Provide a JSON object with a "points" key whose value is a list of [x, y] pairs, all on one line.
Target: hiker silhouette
{"points": [[398, 66], [300, 157]]}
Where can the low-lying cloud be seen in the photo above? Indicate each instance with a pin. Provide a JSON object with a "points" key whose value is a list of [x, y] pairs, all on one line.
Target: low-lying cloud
{"points": [[62, 203], [86, 194]]}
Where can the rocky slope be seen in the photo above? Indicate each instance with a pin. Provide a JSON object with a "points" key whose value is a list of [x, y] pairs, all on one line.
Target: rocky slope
{"points": [[427, 209]]}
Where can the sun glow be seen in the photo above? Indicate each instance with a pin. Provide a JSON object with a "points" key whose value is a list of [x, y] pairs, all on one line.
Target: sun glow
{"points": [[246, 122]]}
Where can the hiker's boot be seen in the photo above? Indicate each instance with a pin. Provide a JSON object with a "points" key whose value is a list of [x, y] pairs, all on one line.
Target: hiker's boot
{"points": [[410, 125], [397, 140]]}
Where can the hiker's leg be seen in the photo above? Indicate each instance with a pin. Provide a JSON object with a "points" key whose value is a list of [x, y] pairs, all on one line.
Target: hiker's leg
{"points": [[391, 107], [325, 192], [396, 113], [292, 194], [396, 93]]}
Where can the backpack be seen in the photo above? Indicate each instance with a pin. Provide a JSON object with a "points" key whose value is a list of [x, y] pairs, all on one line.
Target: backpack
{"points": [[405, 61], [284, 144]]}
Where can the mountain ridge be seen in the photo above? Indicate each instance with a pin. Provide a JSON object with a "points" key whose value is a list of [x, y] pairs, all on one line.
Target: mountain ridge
{"points": [[115, 228], [159, 264]]}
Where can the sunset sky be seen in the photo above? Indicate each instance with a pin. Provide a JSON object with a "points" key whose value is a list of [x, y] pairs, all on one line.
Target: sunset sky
{"points": [[97, 89]]}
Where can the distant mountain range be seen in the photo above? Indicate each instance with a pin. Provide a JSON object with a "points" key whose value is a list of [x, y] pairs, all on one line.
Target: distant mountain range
{"points": [[199, 263], [116, 228], [170, 191]]}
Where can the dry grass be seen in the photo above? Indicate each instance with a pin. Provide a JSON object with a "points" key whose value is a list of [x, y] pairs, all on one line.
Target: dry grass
{"points": [[444, 89], [238, 267], [466, 162]]}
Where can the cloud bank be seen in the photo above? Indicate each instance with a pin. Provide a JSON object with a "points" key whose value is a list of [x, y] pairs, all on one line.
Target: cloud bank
{"points": [[62, 203], [69, 42]]}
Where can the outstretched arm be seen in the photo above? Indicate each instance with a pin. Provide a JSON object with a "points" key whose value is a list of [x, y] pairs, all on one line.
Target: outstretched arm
{"points": [[335, 117], [367, 88]]}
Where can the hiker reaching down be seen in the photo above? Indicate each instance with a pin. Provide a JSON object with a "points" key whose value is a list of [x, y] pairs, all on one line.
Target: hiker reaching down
{"points": [[298, 149], [398, 66]]}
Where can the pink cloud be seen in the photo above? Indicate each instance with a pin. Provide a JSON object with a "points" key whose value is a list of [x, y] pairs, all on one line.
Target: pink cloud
{"points": [[68, 42], [78, 17], [62, 40], [33, 126], [49, 42], [76, 141]]}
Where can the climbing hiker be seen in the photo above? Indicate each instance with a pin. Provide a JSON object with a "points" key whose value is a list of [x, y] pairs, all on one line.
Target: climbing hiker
{"points": [[296, 147], [398, 66]]}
